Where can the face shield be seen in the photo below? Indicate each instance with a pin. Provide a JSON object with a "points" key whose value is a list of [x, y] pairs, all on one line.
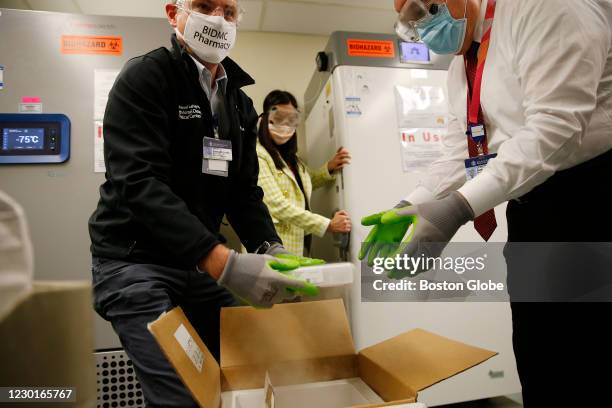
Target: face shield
{"points": [[413, 14]]}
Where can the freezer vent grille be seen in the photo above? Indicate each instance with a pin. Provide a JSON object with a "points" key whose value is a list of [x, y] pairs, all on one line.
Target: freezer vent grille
{"points": [[116, 381]]}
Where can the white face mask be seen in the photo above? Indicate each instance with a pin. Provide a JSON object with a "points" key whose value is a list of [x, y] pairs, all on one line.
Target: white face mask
{"points": [[210, 38], [281, 134]]}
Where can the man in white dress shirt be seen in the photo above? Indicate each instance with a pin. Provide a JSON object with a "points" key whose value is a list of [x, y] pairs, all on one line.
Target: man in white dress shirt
{"points": [[531, 101]]}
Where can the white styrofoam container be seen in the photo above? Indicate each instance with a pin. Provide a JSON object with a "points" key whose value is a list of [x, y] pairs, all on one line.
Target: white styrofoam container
{"points": [[327, 394], [331, 275], [334, 280]]}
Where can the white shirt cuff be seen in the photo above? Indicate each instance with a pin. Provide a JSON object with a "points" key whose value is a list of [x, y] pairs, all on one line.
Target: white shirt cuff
{"points": [[483, 193], [420, 195]]}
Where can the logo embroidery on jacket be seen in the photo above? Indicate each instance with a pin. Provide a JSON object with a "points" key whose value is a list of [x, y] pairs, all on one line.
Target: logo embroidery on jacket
{"points": [[189, 112]]}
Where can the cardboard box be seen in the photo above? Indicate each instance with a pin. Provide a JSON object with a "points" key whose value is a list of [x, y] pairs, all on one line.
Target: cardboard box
{"points": [[48, 340], [325, 394], [301, 343]]}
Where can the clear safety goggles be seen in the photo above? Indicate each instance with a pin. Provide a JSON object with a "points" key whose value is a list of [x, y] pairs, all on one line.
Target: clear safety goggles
{"points": [[284, 116], [413, 14], [231, 12]]}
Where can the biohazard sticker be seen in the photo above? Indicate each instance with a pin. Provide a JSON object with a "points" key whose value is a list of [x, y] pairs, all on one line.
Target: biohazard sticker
{"points": [[91, 44], [370, 48]]}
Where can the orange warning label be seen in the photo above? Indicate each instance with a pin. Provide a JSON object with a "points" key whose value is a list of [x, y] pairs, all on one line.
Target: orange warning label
{"points": [[371, 48], [91, 44]]}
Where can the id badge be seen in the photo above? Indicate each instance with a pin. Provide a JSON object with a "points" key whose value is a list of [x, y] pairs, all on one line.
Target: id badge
{"points": [[216, 155], [477, 132], [215, 167], [475, 165], [217, 149]]}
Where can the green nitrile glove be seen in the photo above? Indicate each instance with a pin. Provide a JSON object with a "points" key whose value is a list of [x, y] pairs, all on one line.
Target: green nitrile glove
{"points": [[384, 239], [301, 260], [284, 266], [438, 221], [262, 280], [279, 251], [309, 289], [287, 265]]}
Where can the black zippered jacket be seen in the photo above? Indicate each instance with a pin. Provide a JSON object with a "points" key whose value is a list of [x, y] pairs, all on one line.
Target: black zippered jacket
{"points": [[156, 205]]}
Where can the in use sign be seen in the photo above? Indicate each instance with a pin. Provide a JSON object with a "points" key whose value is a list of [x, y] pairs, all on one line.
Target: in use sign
{"points": [[370, 48], [91, 44]]}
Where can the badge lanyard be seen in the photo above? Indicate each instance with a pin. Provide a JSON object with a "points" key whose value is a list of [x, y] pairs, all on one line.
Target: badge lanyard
{"points": [[216, 125], [216, 153], [476, 130]]}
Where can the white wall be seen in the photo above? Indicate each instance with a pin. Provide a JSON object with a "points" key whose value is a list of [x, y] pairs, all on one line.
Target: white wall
{"points": [[276, 61]]}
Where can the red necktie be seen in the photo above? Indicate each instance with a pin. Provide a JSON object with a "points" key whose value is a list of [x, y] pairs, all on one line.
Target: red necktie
{"points": [[485, 224]]}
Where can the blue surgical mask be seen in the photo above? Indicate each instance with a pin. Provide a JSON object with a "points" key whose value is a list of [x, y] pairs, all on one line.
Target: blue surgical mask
{"points": [[443, 34]]}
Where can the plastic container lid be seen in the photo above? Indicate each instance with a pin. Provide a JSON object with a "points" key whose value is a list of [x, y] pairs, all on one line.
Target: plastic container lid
{"points": [[327, 275]]}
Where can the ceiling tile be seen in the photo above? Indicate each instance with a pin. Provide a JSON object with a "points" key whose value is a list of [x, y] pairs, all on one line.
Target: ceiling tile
{"points": [[376, 4], [252, 15], [131, 8], [64, 6], [296, 16], [156, 8], [311, 18], [14, 4]]}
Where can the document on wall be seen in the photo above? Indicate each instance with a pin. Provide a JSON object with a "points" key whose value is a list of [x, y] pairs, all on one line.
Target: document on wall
{"points": [[422, 115], [99, 166], [103, 82], [421, 106], [420, 147]]}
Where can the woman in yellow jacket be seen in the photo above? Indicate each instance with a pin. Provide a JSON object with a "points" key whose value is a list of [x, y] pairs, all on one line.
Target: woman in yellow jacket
{"points": [[286, 180]]}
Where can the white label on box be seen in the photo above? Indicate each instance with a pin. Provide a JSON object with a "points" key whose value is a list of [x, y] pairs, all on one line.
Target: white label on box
{"points": [[1, 77], [314, 276], [189, 345]]}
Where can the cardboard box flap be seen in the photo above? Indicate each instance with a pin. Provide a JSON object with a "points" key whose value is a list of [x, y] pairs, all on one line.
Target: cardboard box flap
{"points": [[419, 359], [286, 332], [186, 351]]}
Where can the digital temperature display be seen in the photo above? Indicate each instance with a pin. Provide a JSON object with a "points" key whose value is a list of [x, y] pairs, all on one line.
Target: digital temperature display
{"points": [[32, 139], [23, 139], [414, 52]]}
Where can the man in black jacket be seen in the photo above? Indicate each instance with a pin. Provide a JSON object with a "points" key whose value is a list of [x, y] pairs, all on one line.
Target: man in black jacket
{"points": [[180, 154]]}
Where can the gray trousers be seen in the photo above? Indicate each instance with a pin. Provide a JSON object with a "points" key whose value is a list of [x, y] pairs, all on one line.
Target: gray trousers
{"points": [[131, 295]]}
